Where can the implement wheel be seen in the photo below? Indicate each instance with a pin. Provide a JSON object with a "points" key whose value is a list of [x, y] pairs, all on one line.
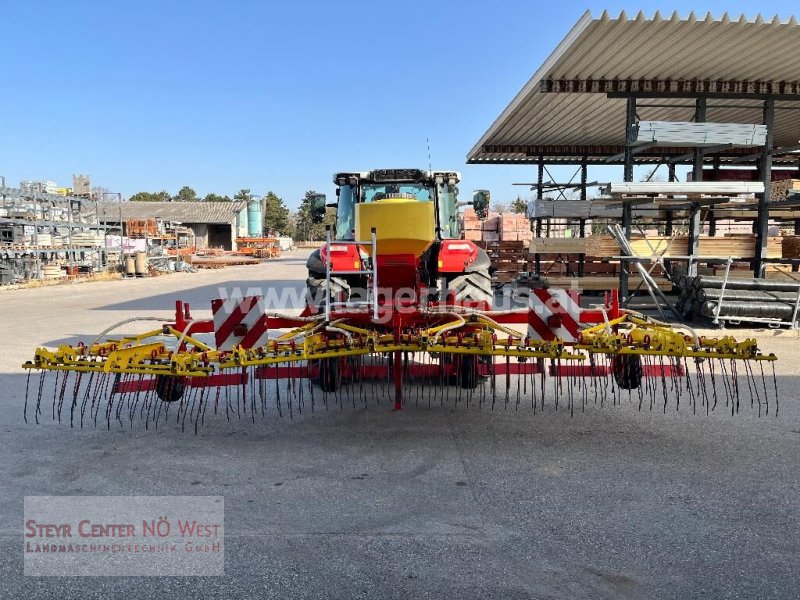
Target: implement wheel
{"points": [[169, 389], [330, 374], [627, 370], [467, 375]]}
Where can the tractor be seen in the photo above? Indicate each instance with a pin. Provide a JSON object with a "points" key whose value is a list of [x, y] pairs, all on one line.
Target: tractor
{"points": [[419, 245]]}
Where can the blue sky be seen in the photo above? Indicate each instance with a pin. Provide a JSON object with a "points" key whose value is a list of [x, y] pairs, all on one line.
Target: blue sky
{"points": [[222, 95]]}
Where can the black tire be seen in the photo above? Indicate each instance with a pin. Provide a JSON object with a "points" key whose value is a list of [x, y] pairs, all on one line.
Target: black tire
{"points": [[315, 290], [468, 372], [169, 389], [475, 286], [330, 374], [627, 370]]}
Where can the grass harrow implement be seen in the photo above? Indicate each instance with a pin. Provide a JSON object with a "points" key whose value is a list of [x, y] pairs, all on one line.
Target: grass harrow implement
{"points": [[246, 362]]}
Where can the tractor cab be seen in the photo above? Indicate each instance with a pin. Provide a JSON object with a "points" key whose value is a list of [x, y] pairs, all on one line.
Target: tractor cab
{"points": [[412, 215], [406, 185]]}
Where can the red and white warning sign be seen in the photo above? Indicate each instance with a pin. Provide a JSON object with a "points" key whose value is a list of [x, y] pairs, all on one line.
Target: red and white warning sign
{"points": [[554, 313], [240, 322]]}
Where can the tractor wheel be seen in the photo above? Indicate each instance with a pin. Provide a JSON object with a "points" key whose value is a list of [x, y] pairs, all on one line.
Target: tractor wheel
{"points": [[627, 370], [169, 389], [330, 374], [468, 372], [315, 290], [475, 286]]}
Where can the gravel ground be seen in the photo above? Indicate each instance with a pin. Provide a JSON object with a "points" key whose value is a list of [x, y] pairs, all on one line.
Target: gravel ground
{"points": [[425, 503]]}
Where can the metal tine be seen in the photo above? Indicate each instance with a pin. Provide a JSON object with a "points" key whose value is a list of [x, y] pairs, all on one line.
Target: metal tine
{"points": [[775, 383], [508, 380], [201, 409], [713, 383], [298, 383], [217, 395], [252, 381], [278, 396], [645, 384], [702, 383], [27, 389], [556, 381], [227, 397], [124, 395], [542, 376], [241, 393], [136, 406], [310, 385], [676, 384], [55, 392], [290, 396], [186, 408], [725, 382], [158, 408], [735, 374], [585, 391], [689, 387], [752, 385], [42, 375], [133, 401], [103, 384], [458, 362], [664, 390], [570, 398], [62, 393], [117, 377], [492, 382], [75, 393], [262, 392], [764, 384]]}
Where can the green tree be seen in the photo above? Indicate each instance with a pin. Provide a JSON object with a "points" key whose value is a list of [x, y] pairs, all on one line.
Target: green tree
{"points": [[242, 194], [212, 197], [519, 206], [185, 194], [305, 228], [276, 215], [161, 196]]}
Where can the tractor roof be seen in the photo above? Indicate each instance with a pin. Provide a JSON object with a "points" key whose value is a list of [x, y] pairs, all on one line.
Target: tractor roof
{"points": [[395, 175]]}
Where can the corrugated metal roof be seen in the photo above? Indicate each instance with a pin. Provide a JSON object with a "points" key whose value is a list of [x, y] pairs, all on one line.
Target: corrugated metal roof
{"points": [[182, 212], [564, 111]]}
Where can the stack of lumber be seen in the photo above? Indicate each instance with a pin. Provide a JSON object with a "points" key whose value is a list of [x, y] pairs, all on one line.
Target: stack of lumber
{"points": [[780, 189], [508, 259], [52, 272], [471, 225], [790, 246], [88, 238], [558, 246], [738, 246], [602, 283]]}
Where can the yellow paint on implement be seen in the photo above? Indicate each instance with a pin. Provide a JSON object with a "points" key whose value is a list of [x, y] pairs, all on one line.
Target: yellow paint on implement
{"points": [[631, 335], [403, 226]]}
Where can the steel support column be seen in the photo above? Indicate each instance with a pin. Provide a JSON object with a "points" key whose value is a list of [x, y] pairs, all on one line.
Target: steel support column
{"points": [[672, 177], [537, 258], [765, 172], [582, 222], [797, 221], [693, 241], [624, 266]]}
